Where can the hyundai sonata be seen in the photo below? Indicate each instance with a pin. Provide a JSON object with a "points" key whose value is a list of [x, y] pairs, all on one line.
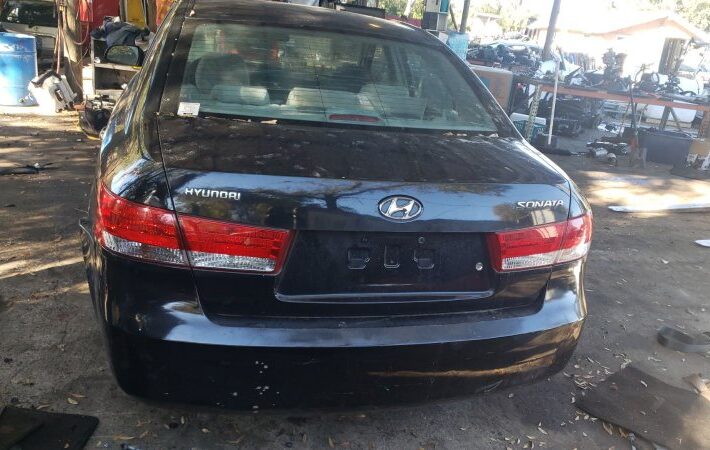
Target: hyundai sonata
{"points": [[298, 206]]}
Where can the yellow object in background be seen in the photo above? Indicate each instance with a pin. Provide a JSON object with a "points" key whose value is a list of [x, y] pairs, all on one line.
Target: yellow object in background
{"points": [[133, 12]]}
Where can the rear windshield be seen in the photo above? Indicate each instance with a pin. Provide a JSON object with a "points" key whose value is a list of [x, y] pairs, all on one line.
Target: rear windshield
{"points": [[29, 13], [273, 73]]}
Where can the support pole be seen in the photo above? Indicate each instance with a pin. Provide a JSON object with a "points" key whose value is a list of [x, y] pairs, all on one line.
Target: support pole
{"points": [[453, 18], [704, 130], [664, 118], [554, 103], [552, 24], [675, 119], [72, 40], [704, 133], [532, 113], [545, 56], [464, 15]]}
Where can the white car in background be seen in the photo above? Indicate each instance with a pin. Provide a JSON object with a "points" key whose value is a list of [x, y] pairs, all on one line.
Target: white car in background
{"points": [[684, 115], [34, 17], [699, 73]]}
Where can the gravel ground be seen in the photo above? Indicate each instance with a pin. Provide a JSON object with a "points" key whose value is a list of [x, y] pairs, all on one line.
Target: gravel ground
{"points": [[644, 271]]}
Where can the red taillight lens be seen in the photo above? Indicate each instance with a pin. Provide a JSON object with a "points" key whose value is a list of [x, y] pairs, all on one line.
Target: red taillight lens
{"points": [[151, 233], [578, 238], [137, 230], [226, 245], [541, 246]]}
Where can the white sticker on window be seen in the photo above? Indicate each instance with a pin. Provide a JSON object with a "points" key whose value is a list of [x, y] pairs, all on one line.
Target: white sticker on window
{"points": [[188, 109]]}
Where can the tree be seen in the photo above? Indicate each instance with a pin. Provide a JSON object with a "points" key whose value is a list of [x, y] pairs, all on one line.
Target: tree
{"points": [[696, 12], [397, 7], [514, 14]]}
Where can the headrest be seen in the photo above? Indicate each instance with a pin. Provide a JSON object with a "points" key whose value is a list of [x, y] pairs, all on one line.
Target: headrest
{"points": [[394, 101], [321, 98], [244, 95], [304, 97], [220, 68], [385, 90]]}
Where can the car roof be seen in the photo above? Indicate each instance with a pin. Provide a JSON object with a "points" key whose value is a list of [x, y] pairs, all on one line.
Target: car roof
{"points": [[263, 12]]}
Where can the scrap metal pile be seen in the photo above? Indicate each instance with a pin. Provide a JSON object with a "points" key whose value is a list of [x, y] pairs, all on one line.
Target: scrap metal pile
{"points": [[643, 84], [521, 57], [573, 113]]}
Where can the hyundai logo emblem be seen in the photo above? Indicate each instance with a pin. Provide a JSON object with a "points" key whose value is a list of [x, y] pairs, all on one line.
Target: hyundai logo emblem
{"points": [[400, 207]]}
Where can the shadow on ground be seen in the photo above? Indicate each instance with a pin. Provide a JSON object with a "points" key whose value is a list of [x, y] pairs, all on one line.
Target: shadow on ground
{"points": [[644, 271]]}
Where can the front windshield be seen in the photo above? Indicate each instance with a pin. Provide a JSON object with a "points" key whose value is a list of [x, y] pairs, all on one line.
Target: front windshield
{"points": [[272, 73]]}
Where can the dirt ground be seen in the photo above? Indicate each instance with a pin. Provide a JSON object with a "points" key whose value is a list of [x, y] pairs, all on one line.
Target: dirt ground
{"points": [[644, 271]]}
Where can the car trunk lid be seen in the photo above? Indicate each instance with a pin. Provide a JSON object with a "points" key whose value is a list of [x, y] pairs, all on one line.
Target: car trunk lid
{"points": [[326, 186]]}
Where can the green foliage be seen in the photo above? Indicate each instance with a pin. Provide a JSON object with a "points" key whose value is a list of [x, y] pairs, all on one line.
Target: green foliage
{"points": [[696, 12], [514, 14], [397, 7]]}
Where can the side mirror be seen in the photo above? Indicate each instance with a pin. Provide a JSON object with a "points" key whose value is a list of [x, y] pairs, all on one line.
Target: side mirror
{"points": [[129, 55]]}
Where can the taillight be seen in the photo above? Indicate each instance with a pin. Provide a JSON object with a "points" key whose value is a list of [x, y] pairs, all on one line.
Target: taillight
{"points": [[541, 246], [578, 237], [151, 233], [226, 245], [137, 230]]}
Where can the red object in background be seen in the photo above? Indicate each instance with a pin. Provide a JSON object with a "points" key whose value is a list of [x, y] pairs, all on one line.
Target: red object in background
{"points": [[92, 12], [162, 7], [415, 22]]}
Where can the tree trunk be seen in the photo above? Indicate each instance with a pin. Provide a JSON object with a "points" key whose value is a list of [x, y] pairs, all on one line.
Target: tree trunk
{"points": [[72, 37]]}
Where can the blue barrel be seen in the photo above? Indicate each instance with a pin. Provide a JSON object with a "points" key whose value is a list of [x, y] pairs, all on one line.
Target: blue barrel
{"points": [[458, 42], [18, 65]]}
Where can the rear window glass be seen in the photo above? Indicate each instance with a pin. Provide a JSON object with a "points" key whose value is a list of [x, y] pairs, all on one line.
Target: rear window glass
{"points": [[29, 13], [294, 74]]}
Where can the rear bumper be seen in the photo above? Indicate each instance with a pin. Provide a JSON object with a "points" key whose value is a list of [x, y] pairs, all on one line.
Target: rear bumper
{"points": [[257, 378], [162, 346]]}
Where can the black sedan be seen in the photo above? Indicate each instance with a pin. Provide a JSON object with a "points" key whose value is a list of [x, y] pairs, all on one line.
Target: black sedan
{"points": [[296, 206]]}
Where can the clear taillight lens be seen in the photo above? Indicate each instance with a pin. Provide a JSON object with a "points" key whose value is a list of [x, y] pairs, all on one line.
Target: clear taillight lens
{"points": [[541, 246], [151, 233]]}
